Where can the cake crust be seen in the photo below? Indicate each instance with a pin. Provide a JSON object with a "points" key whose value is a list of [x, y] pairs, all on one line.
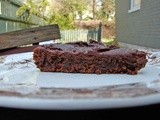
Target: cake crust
{"points": [[88, 57]]}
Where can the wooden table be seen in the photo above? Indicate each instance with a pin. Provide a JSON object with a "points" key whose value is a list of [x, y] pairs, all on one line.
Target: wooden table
{"points": [[99, 114], [17, 50]]}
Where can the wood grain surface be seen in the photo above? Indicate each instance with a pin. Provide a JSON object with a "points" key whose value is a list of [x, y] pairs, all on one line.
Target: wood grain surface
{"points": [[29, 36]]}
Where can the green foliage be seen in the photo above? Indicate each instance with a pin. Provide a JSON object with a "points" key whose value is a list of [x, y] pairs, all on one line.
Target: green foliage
{"points": [[21, 11], [36, 7], [63, 15], [63, 20], [107, 10], [64, 12]]}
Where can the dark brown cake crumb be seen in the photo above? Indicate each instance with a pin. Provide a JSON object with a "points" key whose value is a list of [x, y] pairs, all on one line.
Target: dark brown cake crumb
{"points": [[88, 57]]}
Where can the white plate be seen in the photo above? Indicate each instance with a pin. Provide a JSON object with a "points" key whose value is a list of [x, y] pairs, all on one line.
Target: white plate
{"points": [[22, 85]]}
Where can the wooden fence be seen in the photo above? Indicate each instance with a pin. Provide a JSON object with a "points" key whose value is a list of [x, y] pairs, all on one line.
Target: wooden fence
{"points": [[9, 20], [80, 35], [73, 35]]}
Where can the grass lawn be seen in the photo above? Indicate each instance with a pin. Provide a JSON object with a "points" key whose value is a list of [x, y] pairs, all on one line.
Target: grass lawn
{"points": [[109, 41]]}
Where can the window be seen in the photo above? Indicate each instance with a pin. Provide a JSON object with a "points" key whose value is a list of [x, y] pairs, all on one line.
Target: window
{"points": [[134, 5]]}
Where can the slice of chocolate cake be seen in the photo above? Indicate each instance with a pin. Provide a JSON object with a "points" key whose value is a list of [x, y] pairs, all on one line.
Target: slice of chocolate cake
{"points": [[88, 57]]}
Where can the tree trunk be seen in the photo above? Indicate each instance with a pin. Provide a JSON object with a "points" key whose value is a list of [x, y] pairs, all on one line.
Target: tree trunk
{"points": [[93, 9]]}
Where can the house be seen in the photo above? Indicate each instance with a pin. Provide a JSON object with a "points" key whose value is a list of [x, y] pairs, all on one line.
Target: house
{"points": [[138, 22]]}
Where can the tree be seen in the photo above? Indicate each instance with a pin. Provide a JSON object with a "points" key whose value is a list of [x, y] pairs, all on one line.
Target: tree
{"points": [[36, 7], [107, 10], [62, 12], [74, 7], [93, 8]]}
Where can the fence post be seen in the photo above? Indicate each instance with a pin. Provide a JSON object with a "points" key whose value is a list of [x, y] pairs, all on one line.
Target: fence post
{"points": [[99, 32]]}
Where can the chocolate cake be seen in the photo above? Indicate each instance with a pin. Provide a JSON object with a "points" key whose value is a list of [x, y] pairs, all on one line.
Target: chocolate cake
{"points": [[88, 57]]}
